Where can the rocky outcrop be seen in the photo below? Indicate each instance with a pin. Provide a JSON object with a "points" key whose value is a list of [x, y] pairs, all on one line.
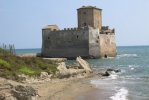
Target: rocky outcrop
{"points": [[72, 71], [5, 90], [10, 90], [24, 93], [44, 77], [84, 64], [65, 72]]}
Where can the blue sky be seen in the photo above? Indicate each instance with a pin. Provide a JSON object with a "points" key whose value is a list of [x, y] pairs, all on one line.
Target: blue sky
{"points": [[21, 21]]}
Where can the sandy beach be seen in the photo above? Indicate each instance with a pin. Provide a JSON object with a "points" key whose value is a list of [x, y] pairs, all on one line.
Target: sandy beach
{"points": [[64, 89]]}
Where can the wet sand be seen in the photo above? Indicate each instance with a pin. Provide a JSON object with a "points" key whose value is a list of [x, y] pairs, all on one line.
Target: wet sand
{"points": [[95, 94]]}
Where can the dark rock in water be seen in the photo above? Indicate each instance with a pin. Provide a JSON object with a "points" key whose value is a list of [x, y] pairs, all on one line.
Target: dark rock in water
{"points": [[24, 92], [106, 74], [115, 70], [109, 69]]}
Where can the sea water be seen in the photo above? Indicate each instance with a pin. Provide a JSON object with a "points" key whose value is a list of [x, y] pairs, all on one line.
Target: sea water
{"points": [[132, 83], [28, 51]]}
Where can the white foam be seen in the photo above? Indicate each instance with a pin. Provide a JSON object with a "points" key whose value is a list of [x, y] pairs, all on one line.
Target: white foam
{"points": [[113, 75], [132, 67], [120, 95], [127, 55]]}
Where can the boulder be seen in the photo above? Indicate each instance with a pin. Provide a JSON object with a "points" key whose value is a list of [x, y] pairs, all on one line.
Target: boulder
{"points": [[84, 64]]}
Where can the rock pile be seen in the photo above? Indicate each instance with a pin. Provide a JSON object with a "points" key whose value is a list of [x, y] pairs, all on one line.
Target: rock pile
{"points": [[83, 69]]}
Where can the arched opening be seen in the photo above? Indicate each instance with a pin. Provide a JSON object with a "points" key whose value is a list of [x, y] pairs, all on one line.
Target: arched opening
{"points": [[105, 56], [77, 36]]}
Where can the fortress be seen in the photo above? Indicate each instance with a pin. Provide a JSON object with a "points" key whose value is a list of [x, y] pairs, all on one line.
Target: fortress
{"points": [[89, 40]]}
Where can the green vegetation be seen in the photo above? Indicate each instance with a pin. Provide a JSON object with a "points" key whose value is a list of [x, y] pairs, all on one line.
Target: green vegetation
{"points": [[4, 64], [26, 70], [11, 66]]}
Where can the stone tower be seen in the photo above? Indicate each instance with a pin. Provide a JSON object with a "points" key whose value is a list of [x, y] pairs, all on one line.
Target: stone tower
{"points": [[89, 40], [89, 16]]}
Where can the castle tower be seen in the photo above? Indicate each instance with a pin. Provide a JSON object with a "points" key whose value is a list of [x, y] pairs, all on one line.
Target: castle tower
{"points": [[89, 15]]}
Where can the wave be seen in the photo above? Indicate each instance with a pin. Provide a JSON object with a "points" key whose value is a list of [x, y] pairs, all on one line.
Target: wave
{"points": [[127, 55], [120, 95], [132, 67], [113, 75]]}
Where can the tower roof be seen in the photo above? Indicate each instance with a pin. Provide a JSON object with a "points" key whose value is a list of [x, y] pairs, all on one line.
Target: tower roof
{"points": [[89, 7]]}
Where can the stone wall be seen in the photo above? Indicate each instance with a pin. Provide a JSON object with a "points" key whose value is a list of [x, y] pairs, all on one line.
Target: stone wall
{"points": [[107, 45], [65, 43], [94, 48]]}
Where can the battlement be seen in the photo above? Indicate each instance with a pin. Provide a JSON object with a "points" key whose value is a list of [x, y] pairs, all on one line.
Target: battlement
{"points": [[69, 29], [107, 30], [89, 7]]}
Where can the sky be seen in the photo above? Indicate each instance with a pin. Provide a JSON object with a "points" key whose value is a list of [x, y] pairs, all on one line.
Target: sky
{"points": [[21, 21]]}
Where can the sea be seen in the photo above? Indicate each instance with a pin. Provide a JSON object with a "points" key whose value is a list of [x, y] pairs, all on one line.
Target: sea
{"points": [[132, 83]]}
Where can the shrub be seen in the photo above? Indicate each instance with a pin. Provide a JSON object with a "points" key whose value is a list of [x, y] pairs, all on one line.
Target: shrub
{"points": [[4, 65], [26, 70]]}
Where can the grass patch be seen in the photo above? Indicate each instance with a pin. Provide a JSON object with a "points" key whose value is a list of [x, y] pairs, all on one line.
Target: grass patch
{"points": [[11, 66], [4, 65], [25, 70]]}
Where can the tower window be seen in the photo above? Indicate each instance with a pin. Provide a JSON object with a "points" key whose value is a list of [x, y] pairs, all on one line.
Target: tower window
{"points": [[77, 36], [48, 38], [84, 13], [84, 24]]}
